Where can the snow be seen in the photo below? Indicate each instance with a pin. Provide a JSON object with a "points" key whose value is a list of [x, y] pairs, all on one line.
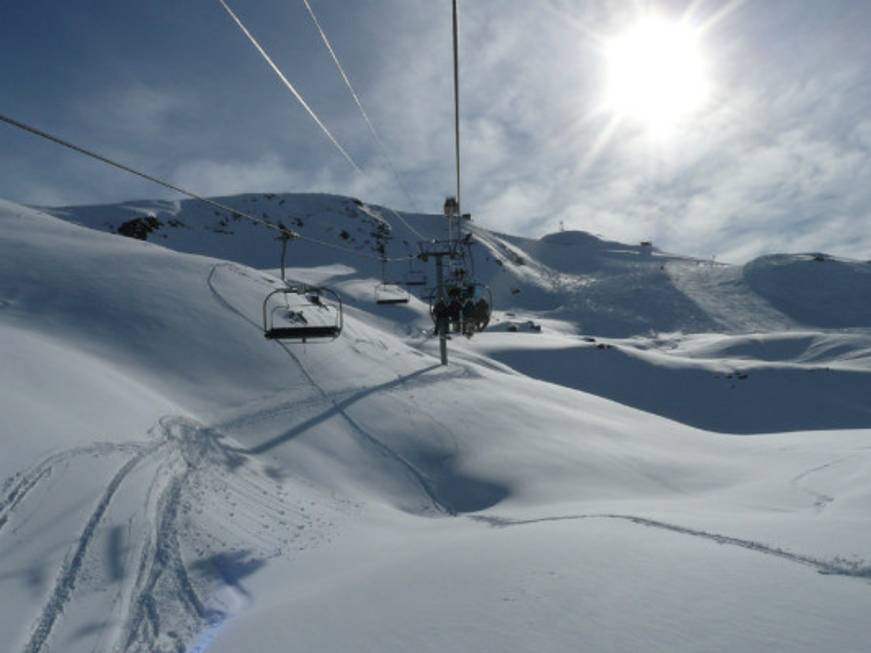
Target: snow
{"points": [[817, 290], [679, 460], [730, 384]]}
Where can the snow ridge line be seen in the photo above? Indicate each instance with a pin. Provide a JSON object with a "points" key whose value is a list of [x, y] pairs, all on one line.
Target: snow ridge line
{"points": [[838, 566], [33, 477], [66, 580], [382, 448]]}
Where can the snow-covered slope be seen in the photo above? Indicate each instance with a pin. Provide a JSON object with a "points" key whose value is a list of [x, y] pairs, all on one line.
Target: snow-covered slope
{"points": [[817, 290], [734, 384], [176, 482]]}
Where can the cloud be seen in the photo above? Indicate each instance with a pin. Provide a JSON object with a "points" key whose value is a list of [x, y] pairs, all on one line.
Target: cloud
{"points": [[136, 110], [228, 177], [767, 167]]}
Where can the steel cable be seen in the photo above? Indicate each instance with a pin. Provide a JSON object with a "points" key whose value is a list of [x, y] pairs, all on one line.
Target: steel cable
{"points": [[235, 212]]}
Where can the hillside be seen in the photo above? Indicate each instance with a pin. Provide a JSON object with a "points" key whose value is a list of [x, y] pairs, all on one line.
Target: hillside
{"points": [[174, 481]]}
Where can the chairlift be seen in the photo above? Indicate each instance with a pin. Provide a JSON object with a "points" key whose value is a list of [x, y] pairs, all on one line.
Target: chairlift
{"points": [[302, 314], [390, 294]]}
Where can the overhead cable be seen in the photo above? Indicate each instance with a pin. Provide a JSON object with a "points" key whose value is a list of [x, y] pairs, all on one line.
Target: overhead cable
{"points": [[375, 136], [125, 168], [378, 142], [290, 86], [457, 104], [235, 212]]}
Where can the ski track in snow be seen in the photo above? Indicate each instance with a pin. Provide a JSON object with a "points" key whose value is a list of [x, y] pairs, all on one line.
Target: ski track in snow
{"points": [[376, 444], [17, 487], [720, 291], [162, 609], [837, 566], [160, 555], [210, 282], [65, 583], [821, 500]]}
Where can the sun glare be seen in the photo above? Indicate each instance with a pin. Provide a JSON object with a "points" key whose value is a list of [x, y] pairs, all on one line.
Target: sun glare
{"points": [[656, 74]]}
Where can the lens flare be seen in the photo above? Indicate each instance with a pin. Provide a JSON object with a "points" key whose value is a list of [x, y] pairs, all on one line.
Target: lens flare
{"points": [[657, 74]]}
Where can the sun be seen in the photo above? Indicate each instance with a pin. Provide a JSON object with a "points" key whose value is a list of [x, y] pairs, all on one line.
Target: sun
{"points": [[656, 74]]}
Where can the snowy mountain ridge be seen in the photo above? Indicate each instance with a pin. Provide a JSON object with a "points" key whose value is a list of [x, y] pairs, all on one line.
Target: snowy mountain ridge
{"points": [[597, 286]]}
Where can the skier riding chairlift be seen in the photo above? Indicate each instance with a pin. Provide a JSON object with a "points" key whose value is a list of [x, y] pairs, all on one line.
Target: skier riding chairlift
{"points": [[455, 309], [470, 320]]}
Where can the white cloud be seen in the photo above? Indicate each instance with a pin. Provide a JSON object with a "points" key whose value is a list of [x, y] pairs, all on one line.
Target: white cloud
{"points": [[228, 177], [136, 109]]}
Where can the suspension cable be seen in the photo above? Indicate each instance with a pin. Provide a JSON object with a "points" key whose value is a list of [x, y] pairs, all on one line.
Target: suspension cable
{"points": [[378, 142], [121, 166], [305, 105], [234, 212], [290, 86], [375, 136], [457, 106]]}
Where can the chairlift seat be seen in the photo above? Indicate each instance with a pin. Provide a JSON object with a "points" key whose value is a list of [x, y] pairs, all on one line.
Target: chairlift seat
{"points": [[294, 304], [303, 332], [389, 293], [415, 278]]}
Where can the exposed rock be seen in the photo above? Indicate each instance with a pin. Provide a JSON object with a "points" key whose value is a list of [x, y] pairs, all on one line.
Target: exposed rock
{"points": [[139, 228]]}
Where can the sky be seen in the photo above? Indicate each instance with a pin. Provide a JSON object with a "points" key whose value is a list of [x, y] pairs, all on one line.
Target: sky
{"points": [[776, 158]]}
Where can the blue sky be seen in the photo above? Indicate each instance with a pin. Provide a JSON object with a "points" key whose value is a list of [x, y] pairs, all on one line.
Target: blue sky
{"points": [[778, 159]]}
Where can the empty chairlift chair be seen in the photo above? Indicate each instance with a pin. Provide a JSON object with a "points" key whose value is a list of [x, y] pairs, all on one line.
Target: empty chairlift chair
{"points": [[390, 294], [302, 314]]}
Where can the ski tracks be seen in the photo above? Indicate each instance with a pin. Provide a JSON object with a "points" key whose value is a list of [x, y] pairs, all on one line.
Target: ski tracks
{"points": [[66, 579], [163, 606], [168, 604], [161, 571], [721, 292], [821, 499], [838, 566], [414, 474], [17, 487]]}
